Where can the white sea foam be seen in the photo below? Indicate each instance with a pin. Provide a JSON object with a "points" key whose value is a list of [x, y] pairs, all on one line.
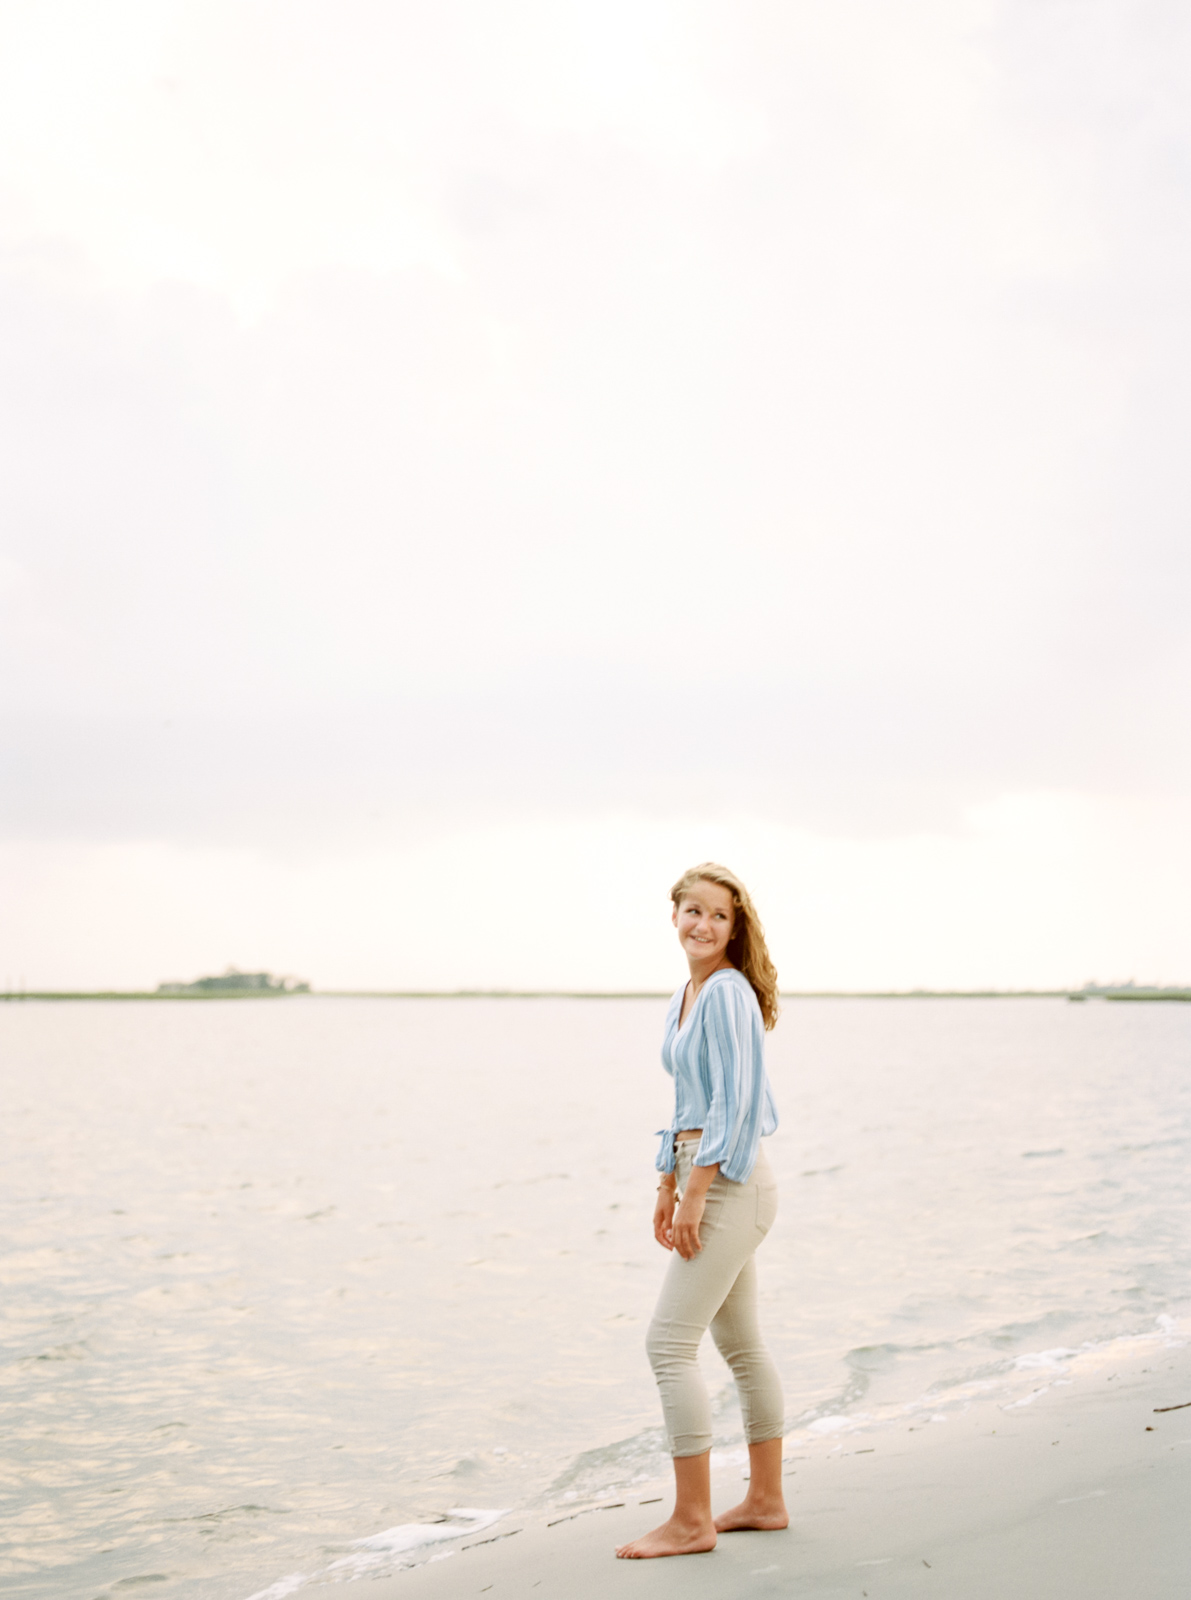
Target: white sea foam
{"points": [[830, 1424], [283, 1587], [1045, 1358], [391, 1550], [1027, 1400]]}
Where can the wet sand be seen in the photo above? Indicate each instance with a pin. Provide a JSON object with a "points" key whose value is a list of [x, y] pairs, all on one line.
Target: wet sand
{"points": [[1084, 1492]]}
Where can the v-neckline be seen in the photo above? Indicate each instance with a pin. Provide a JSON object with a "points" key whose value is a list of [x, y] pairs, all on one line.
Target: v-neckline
{"points": [[682, 1026]]}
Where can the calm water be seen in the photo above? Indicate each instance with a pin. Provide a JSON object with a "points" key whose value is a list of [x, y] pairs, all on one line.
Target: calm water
{"points": [[280, 1275]]}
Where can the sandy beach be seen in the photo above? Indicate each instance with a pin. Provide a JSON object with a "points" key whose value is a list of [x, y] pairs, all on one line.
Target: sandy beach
{"points": [[1080, 1490]]}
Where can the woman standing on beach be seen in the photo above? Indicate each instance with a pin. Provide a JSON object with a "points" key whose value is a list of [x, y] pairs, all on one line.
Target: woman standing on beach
{"points": [[716, 1202]]}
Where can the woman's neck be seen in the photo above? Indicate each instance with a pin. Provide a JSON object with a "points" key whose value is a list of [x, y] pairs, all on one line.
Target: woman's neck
{"points": [[701, 971]]}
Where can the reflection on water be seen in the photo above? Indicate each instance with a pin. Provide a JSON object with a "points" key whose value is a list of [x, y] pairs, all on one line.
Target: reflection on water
{"points": [[282, 1275]]}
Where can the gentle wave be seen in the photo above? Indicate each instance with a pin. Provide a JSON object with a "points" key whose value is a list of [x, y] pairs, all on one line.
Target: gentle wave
{"points": [[643, 1456], [1012, 1376]]}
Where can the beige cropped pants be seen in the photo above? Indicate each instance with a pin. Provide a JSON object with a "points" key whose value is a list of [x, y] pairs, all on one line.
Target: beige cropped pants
{"points": [[717, 1289]]}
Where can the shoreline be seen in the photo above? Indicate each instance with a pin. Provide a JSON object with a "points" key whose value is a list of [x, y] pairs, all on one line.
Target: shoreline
{"points": [[1076, 1491], [1140, 997]]}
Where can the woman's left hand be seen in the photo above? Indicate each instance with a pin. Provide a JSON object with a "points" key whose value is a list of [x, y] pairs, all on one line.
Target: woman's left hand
{"points": [[686, 1224]]}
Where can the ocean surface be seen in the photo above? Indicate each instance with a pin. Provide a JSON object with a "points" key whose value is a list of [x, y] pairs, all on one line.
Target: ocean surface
{"points": [[309, 1287]]}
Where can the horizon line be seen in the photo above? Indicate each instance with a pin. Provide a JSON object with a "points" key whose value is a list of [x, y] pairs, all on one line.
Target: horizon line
{"points": [[1082, 993]]}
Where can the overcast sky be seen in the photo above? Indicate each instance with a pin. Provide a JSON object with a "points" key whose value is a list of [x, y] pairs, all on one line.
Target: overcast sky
{"points": [[463, 462]]}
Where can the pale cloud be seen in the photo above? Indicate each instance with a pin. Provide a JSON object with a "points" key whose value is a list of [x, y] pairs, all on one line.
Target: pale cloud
{"points": [[429, 418], [237, 148]]}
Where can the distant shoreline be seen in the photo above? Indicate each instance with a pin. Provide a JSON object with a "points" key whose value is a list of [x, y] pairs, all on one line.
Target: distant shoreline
{"points": [[1134, 996]]}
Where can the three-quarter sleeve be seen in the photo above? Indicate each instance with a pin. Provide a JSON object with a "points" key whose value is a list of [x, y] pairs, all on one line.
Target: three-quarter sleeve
{"points": [[736, 1082]]}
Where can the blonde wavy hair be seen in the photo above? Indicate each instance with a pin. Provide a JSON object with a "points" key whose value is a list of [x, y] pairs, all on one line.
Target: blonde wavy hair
{"points": [[746, 950]]}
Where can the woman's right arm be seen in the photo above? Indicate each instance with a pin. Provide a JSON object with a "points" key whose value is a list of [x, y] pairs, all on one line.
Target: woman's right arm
{"points": [[663, 1213]]}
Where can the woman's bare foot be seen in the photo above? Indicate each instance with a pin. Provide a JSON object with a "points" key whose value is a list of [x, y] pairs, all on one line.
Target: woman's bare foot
{"points": [[765, 1514], [764, 1506], [673, 1538]]}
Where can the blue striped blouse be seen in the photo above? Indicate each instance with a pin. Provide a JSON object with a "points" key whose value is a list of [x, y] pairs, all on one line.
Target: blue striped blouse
{"points": [[717, 1061]]}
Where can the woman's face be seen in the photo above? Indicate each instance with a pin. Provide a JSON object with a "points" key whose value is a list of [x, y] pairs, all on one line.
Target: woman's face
{"points": [[705, 917]]}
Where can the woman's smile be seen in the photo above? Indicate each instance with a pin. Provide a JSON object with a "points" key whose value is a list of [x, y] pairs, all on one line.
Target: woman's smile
{"points": [[705, 920]]}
